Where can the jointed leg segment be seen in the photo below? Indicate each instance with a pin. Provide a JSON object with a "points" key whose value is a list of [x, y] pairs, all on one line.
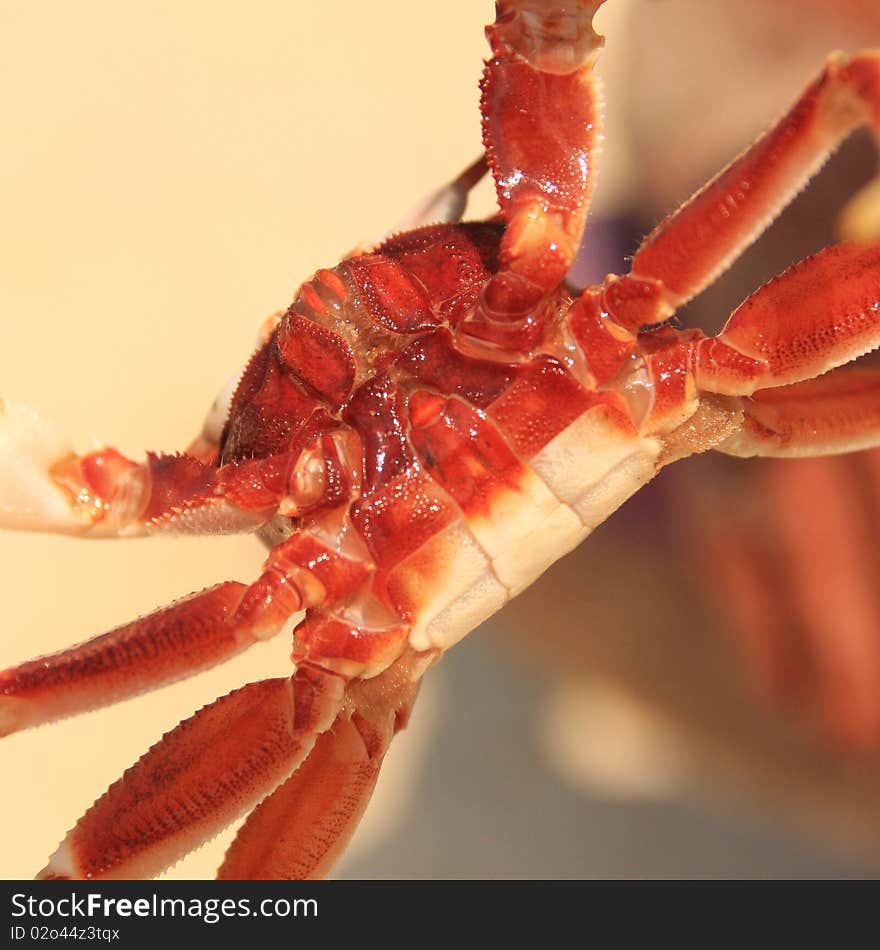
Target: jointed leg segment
{"points": [[300, 830], [209, 770], [688, 250], [177, 641], [46, 486], [838, 412], [817, 315], [541, 129], [821, 313]]}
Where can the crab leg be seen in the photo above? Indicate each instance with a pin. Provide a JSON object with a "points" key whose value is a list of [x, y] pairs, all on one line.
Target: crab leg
{"points": [[838, 412], [821, 313], [445, 205], [300, 830], [177, 641], [46, 486], [205, 773], [688, 250], [540, 128]]}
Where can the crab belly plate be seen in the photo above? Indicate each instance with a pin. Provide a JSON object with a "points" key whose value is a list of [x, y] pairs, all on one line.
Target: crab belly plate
{"points": [[527, 516]]}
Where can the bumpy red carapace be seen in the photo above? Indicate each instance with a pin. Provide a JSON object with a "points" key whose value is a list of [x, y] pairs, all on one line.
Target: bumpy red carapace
{"points": [[430, 425]]}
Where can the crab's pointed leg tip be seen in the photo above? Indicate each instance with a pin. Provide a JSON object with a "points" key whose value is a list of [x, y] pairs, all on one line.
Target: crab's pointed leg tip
{"points": [[61, 866]]}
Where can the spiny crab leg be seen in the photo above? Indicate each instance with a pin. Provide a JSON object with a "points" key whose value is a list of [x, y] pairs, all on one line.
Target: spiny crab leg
{"points": [[688, 250], [205, 773], [299, 831], [541, 126], [817, 315], [838, 412], [186, 637], [222, 761], [177, 641], [774, 356], [820, 313], [446, 205], [46, 486]]}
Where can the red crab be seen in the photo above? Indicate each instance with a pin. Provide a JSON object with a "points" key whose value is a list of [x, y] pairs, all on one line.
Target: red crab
{"points": [[429, 426]]}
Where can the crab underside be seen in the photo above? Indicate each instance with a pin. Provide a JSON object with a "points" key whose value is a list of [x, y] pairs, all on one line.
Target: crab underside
{"points": [[429, 426]]}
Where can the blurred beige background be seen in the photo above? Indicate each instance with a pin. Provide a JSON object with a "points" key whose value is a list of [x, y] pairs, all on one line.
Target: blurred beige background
{"points": [[171, 173]]}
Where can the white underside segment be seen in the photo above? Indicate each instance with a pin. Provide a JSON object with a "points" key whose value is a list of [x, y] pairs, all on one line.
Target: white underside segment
{"points": [[29, 499], [576, 463], [523, 530], [586, 473], [459, 601]]}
